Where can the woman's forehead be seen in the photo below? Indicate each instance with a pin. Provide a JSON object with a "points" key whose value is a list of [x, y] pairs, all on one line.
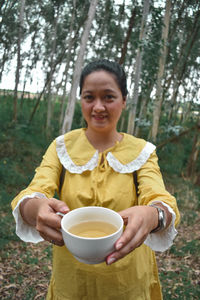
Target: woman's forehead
{"points": [[101, 78]]}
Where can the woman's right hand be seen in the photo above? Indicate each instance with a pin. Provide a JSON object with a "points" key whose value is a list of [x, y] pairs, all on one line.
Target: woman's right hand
{"points": [[41, 213]]}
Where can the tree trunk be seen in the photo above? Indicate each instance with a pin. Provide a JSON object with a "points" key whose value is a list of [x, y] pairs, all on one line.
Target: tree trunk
{"points": [[18, 68], [64, 96], [132, 112], [192, 162], [49, 87], [160, 76], [69, 113], [128, 34], [142, 113]]}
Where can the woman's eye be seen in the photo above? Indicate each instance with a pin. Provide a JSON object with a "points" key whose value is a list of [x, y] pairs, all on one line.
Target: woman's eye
{"points": [[109, 98], [88, 98]]}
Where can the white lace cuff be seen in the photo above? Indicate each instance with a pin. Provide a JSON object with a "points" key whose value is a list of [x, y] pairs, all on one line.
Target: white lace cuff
{"points": [[24, 231], [161, 241]]}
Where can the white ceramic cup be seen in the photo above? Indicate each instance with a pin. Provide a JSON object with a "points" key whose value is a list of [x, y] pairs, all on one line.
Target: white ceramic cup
{"points": [[91, 250]]}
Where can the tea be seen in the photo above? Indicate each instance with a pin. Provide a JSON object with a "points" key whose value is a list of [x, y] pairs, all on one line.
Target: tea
{"points": [[92, 229]]}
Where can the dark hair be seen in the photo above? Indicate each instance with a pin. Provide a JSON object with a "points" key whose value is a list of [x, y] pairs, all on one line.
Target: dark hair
{"points": [[108, 66]]}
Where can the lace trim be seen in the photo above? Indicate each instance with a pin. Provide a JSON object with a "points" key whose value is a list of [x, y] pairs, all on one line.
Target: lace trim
{"points": [[24, 231], [68, 163], [93, 162], [161, 241], [133, 165]]}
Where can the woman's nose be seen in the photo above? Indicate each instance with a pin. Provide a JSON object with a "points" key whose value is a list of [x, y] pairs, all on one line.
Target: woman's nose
{"points": [[98, 105]]}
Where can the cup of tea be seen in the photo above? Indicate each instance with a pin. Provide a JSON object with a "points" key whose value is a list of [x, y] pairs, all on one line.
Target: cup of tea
{"points": [[90, 233]]}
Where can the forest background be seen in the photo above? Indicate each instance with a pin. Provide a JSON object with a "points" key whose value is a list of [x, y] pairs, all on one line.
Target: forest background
{"points": [[43, 47]]}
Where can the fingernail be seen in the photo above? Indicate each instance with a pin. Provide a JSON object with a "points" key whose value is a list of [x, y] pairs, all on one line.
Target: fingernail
{"points": [[111, 260], [118, 246], [64, 209]]}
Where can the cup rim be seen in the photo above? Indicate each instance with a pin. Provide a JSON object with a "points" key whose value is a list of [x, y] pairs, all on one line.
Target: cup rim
{"points": [[89, 238]]}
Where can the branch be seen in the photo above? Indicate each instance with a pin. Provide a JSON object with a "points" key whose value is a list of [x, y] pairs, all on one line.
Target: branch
{"points": [[177, 137]]}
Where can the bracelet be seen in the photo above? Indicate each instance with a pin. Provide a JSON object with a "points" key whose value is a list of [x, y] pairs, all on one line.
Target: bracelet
{"points": [[161, 219]]}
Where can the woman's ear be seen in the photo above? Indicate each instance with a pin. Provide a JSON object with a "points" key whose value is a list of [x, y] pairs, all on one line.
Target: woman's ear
{"points": [[124, 102]]}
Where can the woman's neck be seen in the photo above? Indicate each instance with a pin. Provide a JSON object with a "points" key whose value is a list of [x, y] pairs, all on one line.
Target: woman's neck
{"points": [[102, 141]]}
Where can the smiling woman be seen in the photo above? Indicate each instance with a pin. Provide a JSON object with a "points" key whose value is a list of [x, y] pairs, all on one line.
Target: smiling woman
{"points": [[103, 97], [99, 163]]}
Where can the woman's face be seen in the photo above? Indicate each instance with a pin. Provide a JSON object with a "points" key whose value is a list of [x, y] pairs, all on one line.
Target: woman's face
{"points": [[102, 101]]}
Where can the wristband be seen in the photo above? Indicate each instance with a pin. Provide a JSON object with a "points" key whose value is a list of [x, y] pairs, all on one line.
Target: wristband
{"points": [[161, 219]]}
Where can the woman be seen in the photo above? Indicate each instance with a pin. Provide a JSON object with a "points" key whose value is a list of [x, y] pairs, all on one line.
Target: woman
{"points": [[99, 163]]}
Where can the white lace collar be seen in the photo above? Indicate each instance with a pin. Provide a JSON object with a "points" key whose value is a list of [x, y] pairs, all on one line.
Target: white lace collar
{"points": [[113, 162]]}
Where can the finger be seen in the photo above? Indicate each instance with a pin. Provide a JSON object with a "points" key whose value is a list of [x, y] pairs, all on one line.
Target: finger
{"points": [[129, 232], [48, 218], [132, 245], [52, 235], [125, 219], [58, 205], [123, 245]]}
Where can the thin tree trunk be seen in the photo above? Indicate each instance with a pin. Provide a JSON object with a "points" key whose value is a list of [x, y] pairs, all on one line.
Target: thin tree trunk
{"points": [[128, 35], [49, 87], [64, 96], [132, 112], [18, 68], [69, 113], [142, 113], [192, 162], [160, 76]]}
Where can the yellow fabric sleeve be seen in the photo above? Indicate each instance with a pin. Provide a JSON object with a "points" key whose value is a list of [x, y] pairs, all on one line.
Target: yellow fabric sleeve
{"points": [[151, 186], [47, 176]]}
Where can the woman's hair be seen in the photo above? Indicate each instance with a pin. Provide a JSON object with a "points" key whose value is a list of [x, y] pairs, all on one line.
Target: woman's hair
{"points": [[108, 66]]}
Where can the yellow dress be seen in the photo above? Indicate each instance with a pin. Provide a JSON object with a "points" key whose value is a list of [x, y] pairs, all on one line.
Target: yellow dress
{"points": [[109, 184]]}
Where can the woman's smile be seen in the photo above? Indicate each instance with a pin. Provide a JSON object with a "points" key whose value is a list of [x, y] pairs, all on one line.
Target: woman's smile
{"points": [[99, 117]]}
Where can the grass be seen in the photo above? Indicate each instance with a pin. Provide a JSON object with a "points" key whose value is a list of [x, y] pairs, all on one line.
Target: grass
{"points": [[25, 268]]}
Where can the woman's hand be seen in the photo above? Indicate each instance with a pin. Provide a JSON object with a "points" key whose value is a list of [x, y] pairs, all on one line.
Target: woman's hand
{"points": [[139, 221], [41, 213]]}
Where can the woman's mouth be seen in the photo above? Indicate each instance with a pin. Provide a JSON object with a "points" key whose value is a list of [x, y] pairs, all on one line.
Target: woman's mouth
{"points": [[99, 117]]}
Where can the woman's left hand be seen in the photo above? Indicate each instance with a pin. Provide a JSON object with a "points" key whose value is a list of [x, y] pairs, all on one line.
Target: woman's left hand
{"points": [[139, 221]]}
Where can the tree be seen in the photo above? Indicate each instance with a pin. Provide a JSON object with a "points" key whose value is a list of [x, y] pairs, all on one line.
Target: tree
{"points": [[133, 106], [69, 113], [160, 75], [9, 13], [183, 61], [193, 158], [19, 66], [127, 38], [49, 86], [70, 43]]}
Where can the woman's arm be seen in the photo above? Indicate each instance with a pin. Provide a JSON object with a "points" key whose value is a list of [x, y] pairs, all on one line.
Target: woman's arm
{"points": [[41, 214], [34, 208], [142, 219]]}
